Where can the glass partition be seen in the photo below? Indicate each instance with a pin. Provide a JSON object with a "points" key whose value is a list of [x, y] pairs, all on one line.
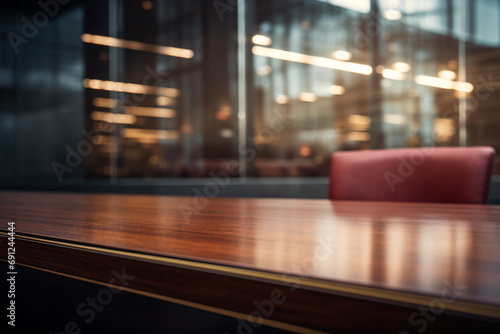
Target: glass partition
{"points": [[187, 89]]}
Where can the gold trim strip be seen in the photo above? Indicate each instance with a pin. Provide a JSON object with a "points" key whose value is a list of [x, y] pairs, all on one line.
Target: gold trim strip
{"points": [[289, 280], [232, 314]]}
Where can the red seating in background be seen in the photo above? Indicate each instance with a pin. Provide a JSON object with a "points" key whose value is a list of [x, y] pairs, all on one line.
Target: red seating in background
{"points": [[445, 175]]}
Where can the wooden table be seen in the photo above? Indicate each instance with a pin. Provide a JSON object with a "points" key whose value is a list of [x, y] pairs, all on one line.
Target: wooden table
{"points": [[292, 264]]}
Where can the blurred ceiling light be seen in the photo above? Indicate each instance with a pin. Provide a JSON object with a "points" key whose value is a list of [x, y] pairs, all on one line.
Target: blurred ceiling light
{"points": [[394, 119], [379, 69], [113, 118], [305, 151], [105, 103], [129, 87], [392, 14], [282, 99], [358, 136], [392, 74], [133, 45], [164, 101], [261, 40], [434, 82], [312, 60], [342, 55], [308, 97], [264, 70], [147, 5], [401, 66], [357, 5], [448, 75], [359, 119], [464, 87], [150, 112], [150, 134], [444, 83], [336, 90]]}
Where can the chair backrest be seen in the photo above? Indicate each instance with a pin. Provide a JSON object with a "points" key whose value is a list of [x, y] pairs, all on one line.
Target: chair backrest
{"points": [[444, 175]]}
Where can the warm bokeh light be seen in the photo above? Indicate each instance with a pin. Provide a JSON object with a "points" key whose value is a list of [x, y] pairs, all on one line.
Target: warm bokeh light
{"points": [[358, 136], [147, 5], [305, 151], [129, 87], [401, 66], [150, 134], [359, 119], [308, 97], [312, 60], [223, 114], [392, 14], [342, 55], [261, 40], [448, 75], [226, 133], [138, 46], [394, 119], [443, 83], [444, 129], [263, 70], [164, 101], [336, 90], [393, 74], [105, 103], [282, 99], [113, 118], [153, 160], [150, 112]]}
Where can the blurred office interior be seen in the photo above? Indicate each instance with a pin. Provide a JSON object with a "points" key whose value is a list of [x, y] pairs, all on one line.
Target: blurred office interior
{"points": [[161, 96]]}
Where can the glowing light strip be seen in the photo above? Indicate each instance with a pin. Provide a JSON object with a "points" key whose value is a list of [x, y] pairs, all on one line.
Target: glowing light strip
{"points": [[312, 60], [444, 83], [150, 112], [261, 40], [133, 45], [150, 134], [129, 87], [113, 118], [102, 102], [392, 74]]}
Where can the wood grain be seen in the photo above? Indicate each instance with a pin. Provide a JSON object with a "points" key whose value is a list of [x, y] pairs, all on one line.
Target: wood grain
{"points": [[412, 248]]}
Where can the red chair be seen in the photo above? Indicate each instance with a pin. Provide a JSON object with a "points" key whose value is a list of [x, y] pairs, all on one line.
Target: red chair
{"points": [[444, 175]]}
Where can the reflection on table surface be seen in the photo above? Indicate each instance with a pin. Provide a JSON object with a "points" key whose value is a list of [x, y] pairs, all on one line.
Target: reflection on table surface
{"points": [[402, 246]]}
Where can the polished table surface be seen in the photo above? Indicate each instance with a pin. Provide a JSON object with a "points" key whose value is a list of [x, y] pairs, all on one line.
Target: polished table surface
{"points": [[398, 251]]}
